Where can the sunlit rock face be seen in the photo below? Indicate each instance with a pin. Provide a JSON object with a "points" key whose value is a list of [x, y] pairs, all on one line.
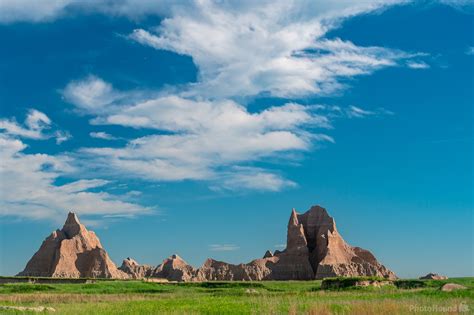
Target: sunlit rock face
{"points": [[135, 270], [330, 255], [72, 252]]}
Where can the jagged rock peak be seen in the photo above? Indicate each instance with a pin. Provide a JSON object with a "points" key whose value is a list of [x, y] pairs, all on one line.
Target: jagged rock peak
{"points": [[73, 252], [134, 270], [130, 261], [268, 254], [72, 226], [72, 219], [174, 268], [293, 218]]}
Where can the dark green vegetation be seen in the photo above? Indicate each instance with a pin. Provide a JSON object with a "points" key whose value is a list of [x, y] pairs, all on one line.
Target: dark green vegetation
{"points": [[268, 297]]}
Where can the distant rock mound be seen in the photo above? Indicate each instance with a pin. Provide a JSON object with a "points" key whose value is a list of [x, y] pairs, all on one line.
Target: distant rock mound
{"points": [[135, 270], [448, 287], [174, 268], [72, 252], [433, 276]]}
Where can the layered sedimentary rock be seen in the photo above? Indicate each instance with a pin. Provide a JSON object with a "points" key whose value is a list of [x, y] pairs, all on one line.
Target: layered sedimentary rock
{"points": [[222, 271], [330, 255], [72, 252], [135, 270], [174, 268], [314, 250]]}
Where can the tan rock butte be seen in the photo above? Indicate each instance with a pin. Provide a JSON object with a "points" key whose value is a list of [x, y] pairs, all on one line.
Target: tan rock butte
{"points": [[72, 252]]}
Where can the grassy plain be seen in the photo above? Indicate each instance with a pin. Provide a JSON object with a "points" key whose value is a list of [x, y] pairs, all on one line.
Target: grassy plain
{"points": [[267, 297]]}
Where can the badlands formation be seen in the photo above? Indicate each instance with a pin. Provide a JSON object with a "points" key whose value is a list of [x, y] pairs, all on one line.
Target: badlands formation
{"points": [[314, 250]]}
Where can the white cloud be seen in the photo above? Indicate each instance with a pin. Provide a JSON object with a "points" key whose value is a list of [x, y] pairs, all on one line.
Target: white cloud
{"points": [[470, 51], [28, 187], [36, 127], [40, 11], [241, 49], [358, 112], [223, 247], [211, 140], [61, 136], [102, 135], [254, 179], [271, 48], [37, 120], [91, 95], [418, 65], [207, 140], [31, 10]]}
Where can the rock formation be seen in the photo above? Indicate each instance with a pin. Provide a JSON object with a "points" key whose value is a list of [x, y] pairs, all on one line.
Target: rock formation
{"points": [[268, 254], [433, 276], [330, 255], [174, 268], [134, 270], [448, 287], [314, 250], [72, 252]]}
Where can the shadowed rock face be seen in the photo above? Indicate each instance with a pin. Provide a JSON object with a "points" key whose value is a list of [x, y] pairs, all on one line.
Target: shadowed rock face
{"points": [[72, 252], [330, 255]]}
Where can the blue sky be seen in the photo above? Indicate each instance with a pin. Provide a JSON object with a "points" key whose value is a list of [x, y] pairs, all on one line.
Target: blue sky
{"points": [[195, 127]]}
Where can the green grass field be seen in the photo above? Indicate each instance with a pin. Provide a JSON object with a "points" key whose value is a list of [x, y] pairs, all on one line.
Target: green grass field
{"points": [[268, 297]]}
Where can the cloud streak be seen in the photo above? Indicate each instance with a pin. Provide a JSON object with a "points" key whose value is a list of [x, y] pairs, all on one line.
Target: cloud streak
{"points": [[37, 126], [223, 247], [102, 135], [28, 187]]}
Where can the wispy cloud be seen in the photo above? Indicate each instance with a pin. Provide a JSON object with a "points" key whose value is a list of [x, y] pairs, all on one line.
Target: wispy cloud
{"points": [[37, 125], [91, 95], [102, 135], [34, 11], [266, 49], [470, 51], [223, 247], [207, 140], [252, 178], [418, 65], [28, 187]]}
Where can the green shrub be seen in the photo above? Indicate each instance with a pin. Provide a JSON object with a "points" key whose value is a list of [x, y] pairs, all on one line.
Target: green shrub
{"points": [[410, 284], [346, 282]]}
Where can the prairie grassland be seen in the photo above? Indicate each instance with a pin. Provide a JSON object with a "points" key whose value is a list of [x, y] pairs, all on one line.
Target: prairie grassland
{"points": [[269, 297]]}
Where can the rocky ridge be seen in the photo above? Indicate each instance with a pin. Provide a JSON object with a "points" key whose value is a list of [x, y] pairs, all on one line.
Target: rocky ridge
{"points": [[314, 250]]}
